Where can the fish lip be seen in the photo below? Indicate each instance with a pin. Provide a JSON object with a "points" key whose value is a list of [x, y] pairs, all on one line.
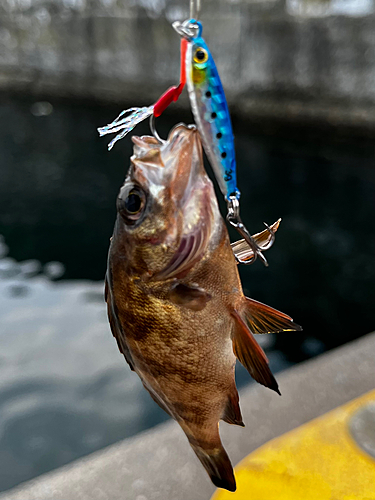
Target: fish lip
{"points": [[146, 143], [174, 159], [178, 160], [189, 129]]}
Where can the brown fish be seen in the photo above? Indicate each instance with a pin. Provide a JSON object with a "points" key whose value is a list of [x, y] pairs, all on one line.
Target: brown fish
{"points": [[174, 296]]}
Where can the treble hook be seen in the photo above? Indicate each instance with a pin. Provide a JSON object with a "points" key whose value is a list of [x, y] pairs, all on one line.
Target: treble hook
{"points": [[233, 217], [195, 8]]}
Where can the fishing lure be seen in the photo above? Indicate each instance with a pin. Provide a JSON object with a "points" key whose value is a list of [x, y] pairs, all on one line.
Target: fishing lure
{"points": [[211, 113]]}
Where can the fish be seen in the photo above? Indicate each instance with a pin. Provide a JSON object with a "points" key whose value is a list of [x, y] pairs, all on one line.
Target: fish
{"points": [[174, 297]]}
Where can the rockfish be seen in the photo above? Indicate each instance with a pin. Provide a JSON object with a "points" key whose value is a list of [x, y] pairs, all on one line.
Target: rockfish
{"points": [[174, 296]]}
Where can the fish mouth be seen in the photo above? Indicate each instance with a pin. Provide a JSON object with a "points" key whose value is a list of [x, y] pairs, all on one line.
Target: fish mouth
{"points": [[192, 192], [168, 169], [179, 134], [174, 172]]}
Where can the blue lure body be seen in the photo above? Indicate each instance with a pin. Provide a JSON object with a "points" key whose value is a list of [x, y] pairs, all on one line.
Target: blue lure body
{"points": [[211, 113]]}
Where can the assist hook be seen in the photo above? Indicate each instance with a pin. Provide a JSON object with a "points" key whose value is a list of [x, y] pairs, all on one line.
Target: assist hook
{"points": [[233, 217], [154, 131]]}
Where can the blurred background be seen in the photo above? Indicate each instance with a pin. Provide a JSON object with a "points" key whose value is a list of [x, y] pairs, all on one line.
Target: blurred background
{"points": [[299, 77]]}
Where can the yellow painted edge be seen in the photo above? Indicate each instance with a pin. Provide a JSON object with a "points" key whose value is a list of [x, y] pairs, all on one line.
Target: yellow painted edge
{"points": [[316, 461]]}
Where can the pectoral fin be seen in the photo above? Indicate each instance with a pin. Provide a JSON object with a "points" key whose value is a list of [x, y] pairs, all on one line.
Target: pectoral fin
{"points": [[192, 297], [265, 319], [251, 355]]}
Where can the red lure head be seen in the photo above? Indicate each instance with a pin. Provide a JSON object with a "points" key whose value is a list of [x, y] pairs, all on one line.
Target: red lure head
{"points": [[173, 93]]}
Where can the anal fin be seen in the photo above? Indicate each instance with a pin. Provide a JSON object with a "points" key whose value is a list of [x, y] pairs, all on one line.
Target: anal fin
{"points": [[232, 412], [251, 355], [265, 319]]}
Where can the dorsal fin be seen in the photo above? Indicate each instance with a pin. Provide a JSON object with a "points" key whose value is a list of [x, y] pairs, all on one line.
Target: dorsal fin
{"points": [[232, 412]]}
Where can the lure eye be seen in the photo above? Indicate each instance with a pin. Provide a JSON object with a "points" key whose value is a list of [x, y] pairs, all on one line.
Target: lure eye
{"points": [[131, 203], [200, 55]]}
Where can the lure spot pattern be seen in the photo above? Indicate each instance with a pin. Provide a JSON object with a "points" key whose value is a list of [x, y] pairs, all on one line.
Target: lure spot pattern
{"points": [[211, 112]]}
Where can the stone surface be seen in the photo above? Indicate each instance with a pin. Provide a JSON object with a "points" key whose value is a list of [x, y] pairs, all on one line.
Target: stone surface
{"points": [[159, 465]]}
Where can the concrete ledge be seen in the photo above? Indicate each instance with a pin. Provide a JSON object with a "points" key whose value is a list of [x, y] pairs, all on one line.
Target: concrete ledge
{"points": [[160, 465]]}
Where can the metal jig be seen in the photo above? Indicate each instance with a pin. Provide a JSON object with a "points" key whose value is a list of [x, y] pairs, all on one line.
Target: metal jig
{"points": [[211, 113]]}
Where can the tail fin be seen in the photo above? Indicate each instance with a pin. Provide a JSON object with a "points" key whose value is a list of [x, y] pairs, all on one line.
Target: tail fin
{"points": [[217, 464]]}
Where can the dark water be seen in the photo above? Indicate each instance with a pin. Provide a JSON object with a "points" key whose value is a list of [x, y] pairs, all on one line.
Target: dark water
{"points": [[58, 185], [64, 389]]}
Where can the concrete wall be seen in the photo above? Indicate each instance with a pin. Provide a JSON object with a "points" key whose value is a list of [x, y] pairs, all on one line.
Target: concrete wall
{"points": [[297, 59]]}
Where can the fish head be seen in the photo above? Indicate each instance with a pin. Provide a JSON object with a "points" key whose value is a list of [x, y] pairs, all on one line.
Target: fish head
{"points": [[166, 207]]}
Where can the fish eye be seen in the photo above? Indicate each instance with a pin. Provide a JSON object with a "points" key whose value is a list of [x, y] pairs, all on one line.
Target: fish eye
{"points": [[200, 55], [131, 203]]}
